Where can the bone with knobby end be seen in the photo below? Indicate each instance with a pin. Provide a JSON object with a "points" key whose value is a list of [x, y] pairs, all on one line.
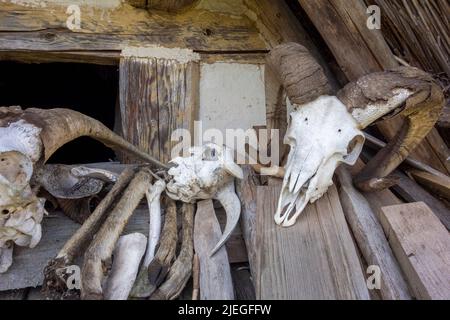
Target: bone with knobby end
{"points": [[127, 255], [150, 277], [180, 271], [104, 242], [76, 245]]}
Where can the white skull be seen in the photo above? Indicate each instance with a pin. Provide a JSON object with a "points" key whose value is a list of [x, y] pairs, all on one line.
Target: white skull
{"points": [[203, 173], [21, 212], [321, 134], [208, 173]]}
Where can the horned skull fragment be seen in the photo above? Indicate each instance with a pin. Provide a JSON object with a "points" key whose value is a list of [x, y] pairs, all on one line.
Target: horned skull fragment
{"points": [[27, 140], [325, 130], [208, 173]]}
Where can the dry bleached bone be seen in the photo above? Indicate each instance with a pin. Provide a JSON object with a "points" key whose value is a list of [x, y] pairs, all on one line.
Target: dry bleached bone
{"points": [[325, 130], [208, 173], [27, 140]]}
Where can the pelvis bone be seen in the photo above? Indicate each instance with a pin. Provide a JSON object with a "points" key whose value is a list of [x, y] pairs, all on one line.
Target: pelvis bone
{"points": [[324, 130], [321, 134], [208, 173]]}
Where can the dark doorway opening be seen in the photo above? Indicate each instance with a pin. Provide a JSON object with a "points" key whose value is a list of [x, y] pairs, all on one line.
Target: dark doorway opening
{"points": [[87, 88]]}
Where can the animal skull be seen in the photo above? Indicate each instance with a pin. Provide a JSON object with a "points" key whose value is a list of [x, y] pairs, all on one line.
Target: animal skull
{"points": [[325, 130], [208, 173], [321, 134], [27, 140]]}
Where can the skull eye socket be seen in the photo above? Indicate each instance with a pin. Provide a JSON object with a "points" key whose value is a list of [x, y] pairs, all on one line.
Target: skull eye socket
{"points": [[5, 212]]}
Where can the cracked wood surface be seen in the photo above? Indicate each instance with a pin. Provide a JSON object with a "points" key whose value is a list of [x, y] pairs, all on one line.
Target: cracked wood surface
{"points": [[313, 259]]}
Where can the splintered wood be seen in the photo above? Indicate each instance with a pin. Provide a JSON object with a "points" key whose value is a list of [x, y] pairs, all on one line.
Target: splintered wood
{"points": [[313, 259], [422, 247], [157, 96]]}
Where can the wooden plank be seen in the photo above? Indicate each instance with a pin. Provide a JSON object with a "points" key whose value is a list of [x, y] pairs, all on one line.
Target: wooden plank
{"points": [[314, 259], [215, 275], [246, 190], [44, 29], [422, 246], [157, 96], [371, 240], [359, 51], [412, 192], [28, 265], [439, 184]]}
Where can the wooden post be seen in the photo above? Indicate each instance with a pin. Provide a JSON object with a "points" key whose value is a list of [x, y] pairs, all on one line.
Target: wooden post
{"points": [[159, 90]]}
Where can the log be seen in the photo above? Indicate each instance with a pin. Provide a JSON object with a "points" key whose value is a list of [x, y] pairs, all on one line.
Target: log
{"points": [[422, 246], [159, 90], [371, 240], [45, 29], [313, 259], [215, 275], [359, 51]]}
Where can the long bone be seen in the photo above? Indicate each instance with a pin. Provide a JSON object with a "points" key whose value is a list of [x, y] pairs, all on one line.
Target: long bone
{"points": [[28, 138], [404, 91]]}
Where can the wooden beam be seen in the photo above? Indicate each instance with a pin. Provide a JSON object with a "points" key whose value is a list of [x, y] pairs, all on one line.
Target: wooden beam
{"points": [[412, 192], [370, 237], [313, 259], [359, 51], [157, 96], [422, 246], [438, 184], [215, 276], [111, 29]]}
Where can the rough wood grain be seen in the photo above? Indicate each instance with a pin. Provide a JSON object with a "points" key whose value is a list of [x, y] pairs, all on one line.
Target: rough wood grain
{"points": [[44, 29], [359, 51], [412, 192], [314, 259], [371, 240], [439, 184], [27, 269], [422, 246], [246, 190], [157, 96], [215, 275]]}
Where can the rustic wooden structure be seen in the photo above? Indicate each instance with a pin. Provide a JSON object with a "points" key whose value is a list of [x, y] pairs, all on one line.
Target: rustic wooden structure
{"points": [[160, 48]]}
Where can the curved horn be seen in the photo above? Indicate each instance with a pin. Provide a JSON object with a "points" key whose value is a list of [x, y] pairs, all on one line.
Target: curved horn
{"points": [[405, 91], [299, 73], [60, 126]]}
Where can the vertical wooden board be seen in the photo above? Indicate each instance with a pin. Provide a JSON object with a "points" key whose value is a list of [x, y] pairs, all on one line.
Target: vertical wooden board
{"points": [[157, 96], [422, 247], [314, 259], [215, 275], [139, 103]]}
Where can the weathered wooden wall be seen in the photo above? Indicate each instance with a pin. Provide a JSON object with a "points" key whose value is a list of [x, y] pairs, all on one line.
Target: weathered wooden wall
{"points": [[157, 96]]}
